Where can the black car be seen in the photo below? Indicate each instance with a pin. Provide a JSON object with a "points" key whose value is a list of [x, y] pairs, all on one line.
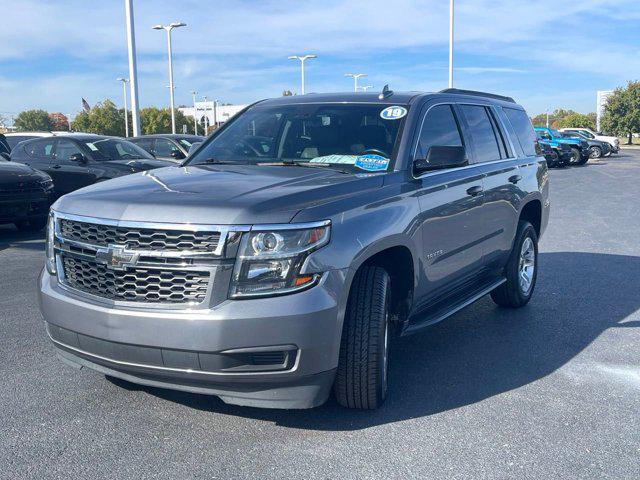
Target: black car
{"points": [[167, 147], [75, 161], [597, 148], [25, 194]]}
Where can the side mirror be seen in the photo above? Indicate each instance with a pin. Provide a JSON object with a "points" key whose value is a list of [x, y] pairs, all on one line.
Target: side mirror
{"points": [[5, 156], [77, 157], [441, 157], [194, 146], [177, 154]]}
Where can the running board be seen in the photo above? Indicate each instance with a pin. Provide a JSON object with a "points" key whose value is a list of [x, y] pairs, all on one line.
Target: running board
{"points": [[431, 318]]}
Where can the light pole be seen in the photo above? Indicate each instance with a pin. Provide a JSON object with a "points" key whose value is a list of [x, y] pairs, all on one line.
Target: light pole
{"points": [[302, 59], [206, 119], [365, 88], [195, 113], [450, 43], [355, 77], [126, 114], [133, 69], [168, 28]]}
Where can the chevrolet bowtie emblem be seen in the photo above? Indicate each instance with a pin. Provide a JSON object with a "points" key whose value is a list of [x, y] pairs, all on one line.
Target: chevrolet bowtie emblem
{"points": [[116, 257]]}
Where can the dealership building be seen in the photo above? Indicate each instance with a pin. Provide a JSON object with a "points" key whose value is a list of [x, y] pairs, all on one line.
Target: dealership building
{"points": [[215, 113]]}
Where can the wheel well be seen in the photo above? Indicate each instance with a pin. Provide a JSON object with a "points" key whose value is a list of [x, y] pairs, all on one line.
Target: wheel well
{"points": [[532, 212], [398, 263]]}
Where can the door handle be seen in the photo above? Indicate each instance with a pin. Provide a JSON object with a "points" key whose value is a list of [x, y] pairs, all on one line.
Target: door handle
{"points": [[515, 179], [474, 191]]}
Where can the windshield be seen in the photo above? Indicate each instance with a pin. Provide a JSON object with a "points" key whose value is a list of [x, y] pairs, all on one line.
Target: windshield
{"points": [[187, 142], [348, 137], [114, 149]]}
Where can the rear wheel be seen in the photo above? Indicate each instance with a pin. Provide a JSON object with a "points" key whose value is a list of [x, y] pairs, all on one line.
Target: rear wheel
{"points": [[361, 379], [31, 225], [521, 271]]}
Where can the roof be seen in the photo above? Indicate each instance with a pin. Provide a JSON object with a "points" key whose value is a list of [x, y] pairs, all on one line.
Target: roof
{"points": [[344, 97], [171, 135]]}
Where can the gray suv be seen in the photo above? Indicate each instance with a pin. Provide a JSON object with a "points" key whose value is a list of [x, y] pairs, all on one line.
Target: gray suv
{"points": [[275, 264]]}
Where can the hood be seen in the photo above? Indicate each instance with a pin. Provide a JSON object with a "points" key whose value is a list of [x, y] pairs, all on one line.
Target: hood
{"points": [[215, 194], [12, 173], [142, 164]]}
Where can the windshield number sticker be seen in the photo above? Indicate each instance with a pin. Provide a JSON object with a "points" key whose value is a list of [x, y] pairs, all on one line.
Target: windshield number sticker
{"points": [[393, 113], [372, 163]]}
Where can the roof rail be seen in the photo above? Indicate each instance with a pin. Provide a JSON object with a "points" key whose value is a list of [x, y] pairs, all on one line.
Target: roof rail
{"points": [[478, 94]]}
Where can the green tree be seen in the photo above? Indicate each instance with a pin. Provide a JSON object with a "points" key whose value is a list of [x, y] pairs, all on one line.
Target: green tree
{"points": [[622, 111], [33, 120], [158, 120], [104, 119], [575, 119]]}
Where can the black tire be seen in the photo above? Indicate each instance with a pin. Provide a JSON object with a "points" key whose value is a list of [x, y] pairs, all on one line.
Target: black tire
{"points": [[595, 152], [576, 156], [361, 378], [32, 225], [511, 294]]}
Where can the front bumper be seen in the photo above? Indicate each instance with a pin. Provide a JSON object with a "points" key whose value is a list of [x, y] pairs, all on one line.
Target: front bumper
{"points": [[23, 207], [209, 351]]}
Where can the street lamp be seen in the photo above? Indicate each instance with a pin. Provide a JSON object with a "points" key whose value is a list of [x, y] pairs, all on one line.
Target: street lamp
{"points": [[355, 77], [195, 112], [126, 115], [206, 119], [168, 29], [302, 60], [450, 43], [365, 88]]}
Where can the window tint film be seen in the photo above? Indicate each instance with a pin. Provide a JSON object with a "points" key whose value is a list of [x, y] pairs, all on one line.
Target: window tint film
{"points": [[40, 148], [440, 129], [524, 130], [65, 149], [482, 132]]}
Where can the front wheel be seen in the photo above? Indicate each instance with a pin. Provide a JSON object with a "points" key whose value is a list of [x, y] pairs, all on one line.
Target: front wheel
{"points": [[595, 152], [576, 156], [361, 379], [521, 271]]}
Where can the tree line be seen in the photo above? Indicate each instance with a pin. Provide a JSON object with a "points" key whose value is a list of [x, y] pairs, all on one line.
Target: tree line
{"points": [[104, 118]]}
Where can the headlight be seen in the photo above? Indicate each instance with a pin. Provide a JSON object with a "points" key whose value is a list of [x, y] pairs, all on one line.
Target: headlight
{"points": [[46, 184], [270, 258], [50, 244]]}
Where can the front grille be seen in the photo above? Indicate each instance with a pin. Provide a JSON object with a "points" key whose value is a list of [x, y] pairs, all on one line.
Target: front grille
{"points": [[139, 238], [20, 189], [137, 285]]}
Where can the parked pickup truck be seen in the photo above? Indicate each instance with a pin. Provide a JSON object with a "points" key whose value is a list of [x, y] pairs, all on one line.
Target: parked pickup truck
{"points": [[275, 264], [579, 147]]}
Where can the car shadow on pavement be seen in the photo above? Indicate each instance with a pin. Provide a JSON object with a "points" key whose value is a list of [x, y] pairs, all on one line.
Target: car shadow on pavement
{"points": [[482, 351], [11, 237]]}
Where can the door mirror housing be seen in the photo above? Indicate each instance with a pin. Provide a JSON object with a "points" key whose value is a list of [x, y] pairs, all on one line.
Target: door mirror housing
{"points": [[177, 154], [77, 157], [440, 158]]}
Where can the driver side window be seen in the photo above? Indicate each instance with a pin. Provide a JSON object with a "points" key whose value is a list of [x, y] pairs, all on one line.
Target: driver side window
{"points": [[440, 128]]}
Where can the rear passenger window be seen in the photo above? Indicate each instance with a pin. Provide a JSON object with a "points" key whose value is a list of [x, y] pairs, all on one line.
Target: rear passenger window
{"points": [[524, 130], [440, 128], [40, 148], [482, 132]]}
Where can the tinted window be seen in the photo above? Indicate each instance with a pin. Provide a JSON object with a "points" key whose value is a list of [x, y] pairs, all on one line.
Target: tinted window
{"points": [[66, 148], [484, 137], [524, 131], [13, 140], [439, 128], [40, 148], [331, 135], [114, 149], [165, 148], [144, 143]]}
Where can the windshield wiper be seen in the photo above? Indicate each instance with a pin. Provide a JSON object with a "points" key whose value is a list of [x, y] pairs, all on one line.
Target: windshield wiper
{"points": [[326, 166], [215, 161]]}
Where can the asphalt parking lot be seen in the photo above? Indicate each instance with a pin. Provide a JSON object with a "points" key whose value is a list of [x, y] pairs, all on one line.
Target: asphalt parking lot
{"points": [[549, 391]]}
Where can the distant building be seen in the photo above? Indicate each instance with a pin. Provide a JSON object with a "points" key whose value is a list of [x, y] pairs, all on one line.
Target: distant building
{"points": [[601, 101], [215, 114]]}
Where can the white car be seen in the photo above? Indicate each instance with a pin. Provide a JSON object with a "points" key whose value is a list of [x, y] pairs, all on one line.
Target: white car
{"points": [[590, 134]]}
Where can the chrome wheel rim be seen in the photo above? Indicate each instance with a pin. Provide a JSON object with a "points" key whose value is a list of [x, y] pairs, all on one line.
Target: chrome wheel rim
{"points": [[595, 153], [526, 265]]}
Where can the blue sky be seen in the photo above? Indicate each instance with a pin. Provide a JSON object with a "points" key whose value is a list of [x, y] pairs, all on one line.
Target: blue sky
{"points": [[546, 54]]}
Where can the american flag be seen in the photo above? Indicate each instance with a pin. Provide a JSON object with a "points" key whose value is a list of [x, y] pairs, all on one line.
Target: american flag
{"points": [[85, 105]]}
